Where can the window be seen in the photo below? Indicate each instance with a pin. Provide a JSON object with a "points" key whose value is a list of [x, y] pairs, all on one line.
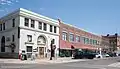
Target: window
{"points": [[0, 27], [13, 38], [64, 36], [40, 25], [29, 38], [50, 28], [77, 39], [71, 37], [91, 41], [13, 21], [45, 27], [3, 26], [27, 22], [55, 29], [87, 40], [32, 23], [82, 39], [29, 51], [29, 48], [98, 42], [94, 42]]}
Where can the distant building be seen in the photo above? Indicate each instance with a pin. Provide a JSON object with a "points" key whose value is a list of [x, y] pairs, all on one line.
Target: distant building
{"points": [[114, 41], [26, 31]]}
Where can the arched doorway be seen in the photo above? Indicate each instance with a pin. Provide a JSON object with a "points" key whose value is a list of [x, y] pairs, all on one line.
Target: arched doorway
{"points": [[3, 44], [41, 42]]}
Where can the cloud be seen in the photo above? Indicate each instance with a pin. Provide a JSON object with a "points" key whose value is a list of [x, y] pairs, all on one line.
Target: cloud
{"points": [[1, 10], [42, 9], [7, 2]]}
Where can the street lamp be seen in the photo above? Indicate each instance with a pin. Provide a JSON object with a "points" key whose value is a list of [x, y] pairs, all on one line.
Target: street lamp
{"points": [[52, 50]]}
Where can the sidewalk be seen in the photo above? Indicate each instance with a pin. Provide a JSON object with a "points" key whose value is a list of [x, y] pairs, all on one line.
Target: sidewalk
{"points": [[63, 60], [42, 61]]}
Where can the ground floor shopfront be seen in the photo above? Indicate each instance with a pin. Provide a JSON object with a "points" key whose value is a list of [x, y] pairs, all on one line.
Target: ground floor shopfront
{"points": [[38, 43], [29, 42], [67, 48]]}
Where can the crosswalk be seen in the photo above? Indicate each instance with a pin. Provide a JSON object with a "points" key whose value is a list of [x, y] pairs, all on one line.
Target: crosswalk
{"points": [[117, 64]]}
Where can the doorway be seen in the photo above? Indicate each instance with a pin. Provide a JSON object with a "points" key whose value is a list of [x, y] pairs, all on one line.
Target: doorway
{"points": [[41, 52], [3, 44]]}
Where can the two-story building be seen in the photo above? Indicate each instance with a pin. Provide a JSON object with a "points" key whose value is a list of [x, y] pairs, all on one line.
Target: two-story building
{"points": [[72, 37], [26, 31], [114, 41]]}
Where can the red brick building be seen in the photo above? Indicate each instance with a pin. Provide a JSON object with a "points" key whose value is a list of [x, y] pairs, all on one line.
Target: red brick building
{"points": [[73, 37], [114, 41]]}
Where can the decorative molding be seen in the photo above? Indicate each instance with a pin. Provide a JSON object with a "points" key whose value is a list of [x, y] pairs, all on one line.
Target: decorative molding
{"points": [[29, 43], [39, 31]]}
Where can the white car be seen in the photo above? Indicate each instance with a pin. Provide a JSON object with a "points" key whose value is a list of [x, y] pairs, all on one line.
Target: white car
{"points": [[106, 55], [99, 56], [102, 55]]}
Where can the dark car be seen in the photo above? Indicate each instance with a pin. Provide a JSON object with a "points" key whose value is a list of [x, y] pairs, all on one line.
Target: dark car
{"points": [[112, 54], [82, 54]]}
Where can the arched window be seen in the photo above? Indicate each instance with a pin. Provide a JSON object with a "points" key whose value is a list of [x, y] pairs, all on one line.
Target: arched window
{"points": [[41, 40]]}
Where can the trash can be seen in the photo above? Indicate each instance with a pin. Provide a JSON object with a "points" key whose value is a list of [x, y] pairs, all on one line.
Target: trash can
{"points": [[25, 56]]}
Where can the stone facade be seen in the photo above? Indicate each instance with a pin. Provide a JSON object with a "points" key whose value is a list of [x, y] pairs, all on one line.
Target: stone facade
{"points": [[31, 32]]}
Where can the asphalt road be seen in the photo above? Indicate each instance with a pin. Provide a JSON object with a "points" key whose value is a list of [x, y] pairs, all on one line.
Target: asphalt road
{"points": [[91, 64]]}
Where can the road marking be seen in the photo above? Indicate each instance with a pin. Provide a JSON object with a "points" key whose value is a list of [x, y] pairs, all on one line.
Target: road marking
{"points": [[23, 66], [102, 68], [115, 64], [88, 66]]}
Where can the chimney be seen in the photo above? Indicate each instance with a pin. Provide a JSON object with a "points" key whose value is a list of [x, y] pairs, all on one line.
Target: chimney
{"points": [[59, 20], [107, 35], [116, 34]]}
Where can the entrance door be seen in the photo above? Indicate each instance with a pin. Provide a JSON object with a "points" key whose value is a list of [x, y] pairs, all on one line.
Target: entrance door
{"points": [[41, 52], [3, 44]]}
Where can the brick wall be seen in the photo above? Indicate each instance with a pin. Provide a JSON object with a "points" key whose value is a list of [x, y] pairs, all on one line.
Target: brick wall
{"points": [[76, 31]]}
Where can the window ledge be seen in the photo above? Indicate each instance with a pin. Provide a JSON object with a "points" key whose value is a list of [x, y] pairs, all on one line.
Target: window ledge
{"points": [[29, 43]]}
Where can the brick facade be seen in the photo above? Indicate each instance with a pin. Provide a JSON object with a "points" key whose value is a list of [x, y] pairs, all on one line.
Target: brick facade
{"points": [[66, 44]]}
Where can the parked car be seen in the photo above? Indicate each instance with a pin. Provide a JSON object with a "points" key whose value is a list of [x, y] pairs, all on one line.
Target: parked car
{"points": [[98, 55], [82, 54], [102, 55], [112, 54]]}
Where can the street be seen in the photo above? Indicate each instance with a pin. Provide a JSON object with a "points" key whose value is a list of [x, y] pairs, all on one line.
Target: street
{"points": [[90, 64]]}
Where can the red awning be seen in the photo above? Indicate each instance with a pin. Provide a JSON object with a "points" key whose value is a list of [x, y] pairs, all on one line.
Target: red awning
{"points": [[67, 45]]}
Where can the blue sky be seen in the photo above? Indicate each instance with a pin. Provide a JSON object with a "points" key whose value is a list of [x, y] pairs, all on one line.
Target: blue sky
{"points": [[97, 16]]}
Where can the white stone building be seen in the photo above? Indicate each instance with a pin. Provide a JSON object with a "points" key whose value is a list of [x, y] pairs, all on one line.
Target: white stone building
{"points": [[23, 30]]}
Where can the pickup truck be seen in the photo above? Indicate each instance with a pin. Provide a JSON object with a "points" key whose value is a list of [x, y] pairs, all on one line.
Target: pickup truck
{"points": [[82, 54]]}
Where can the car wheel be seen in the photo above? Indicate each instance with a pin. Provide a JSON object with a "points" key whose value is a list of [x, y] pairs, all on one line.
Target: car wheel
{"points": [[98, 56]]}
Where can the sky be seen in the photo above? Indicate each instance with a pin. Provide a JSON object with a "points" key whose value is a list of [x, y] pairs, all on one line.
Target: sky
{"points": [[101, 17]]}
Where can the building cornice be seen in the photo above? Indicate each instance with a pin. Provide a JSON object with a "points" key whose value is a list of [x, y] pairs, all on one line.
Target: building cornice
{"points": [[38, 15], [38, 19], [30, 14], [36, 30]]}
